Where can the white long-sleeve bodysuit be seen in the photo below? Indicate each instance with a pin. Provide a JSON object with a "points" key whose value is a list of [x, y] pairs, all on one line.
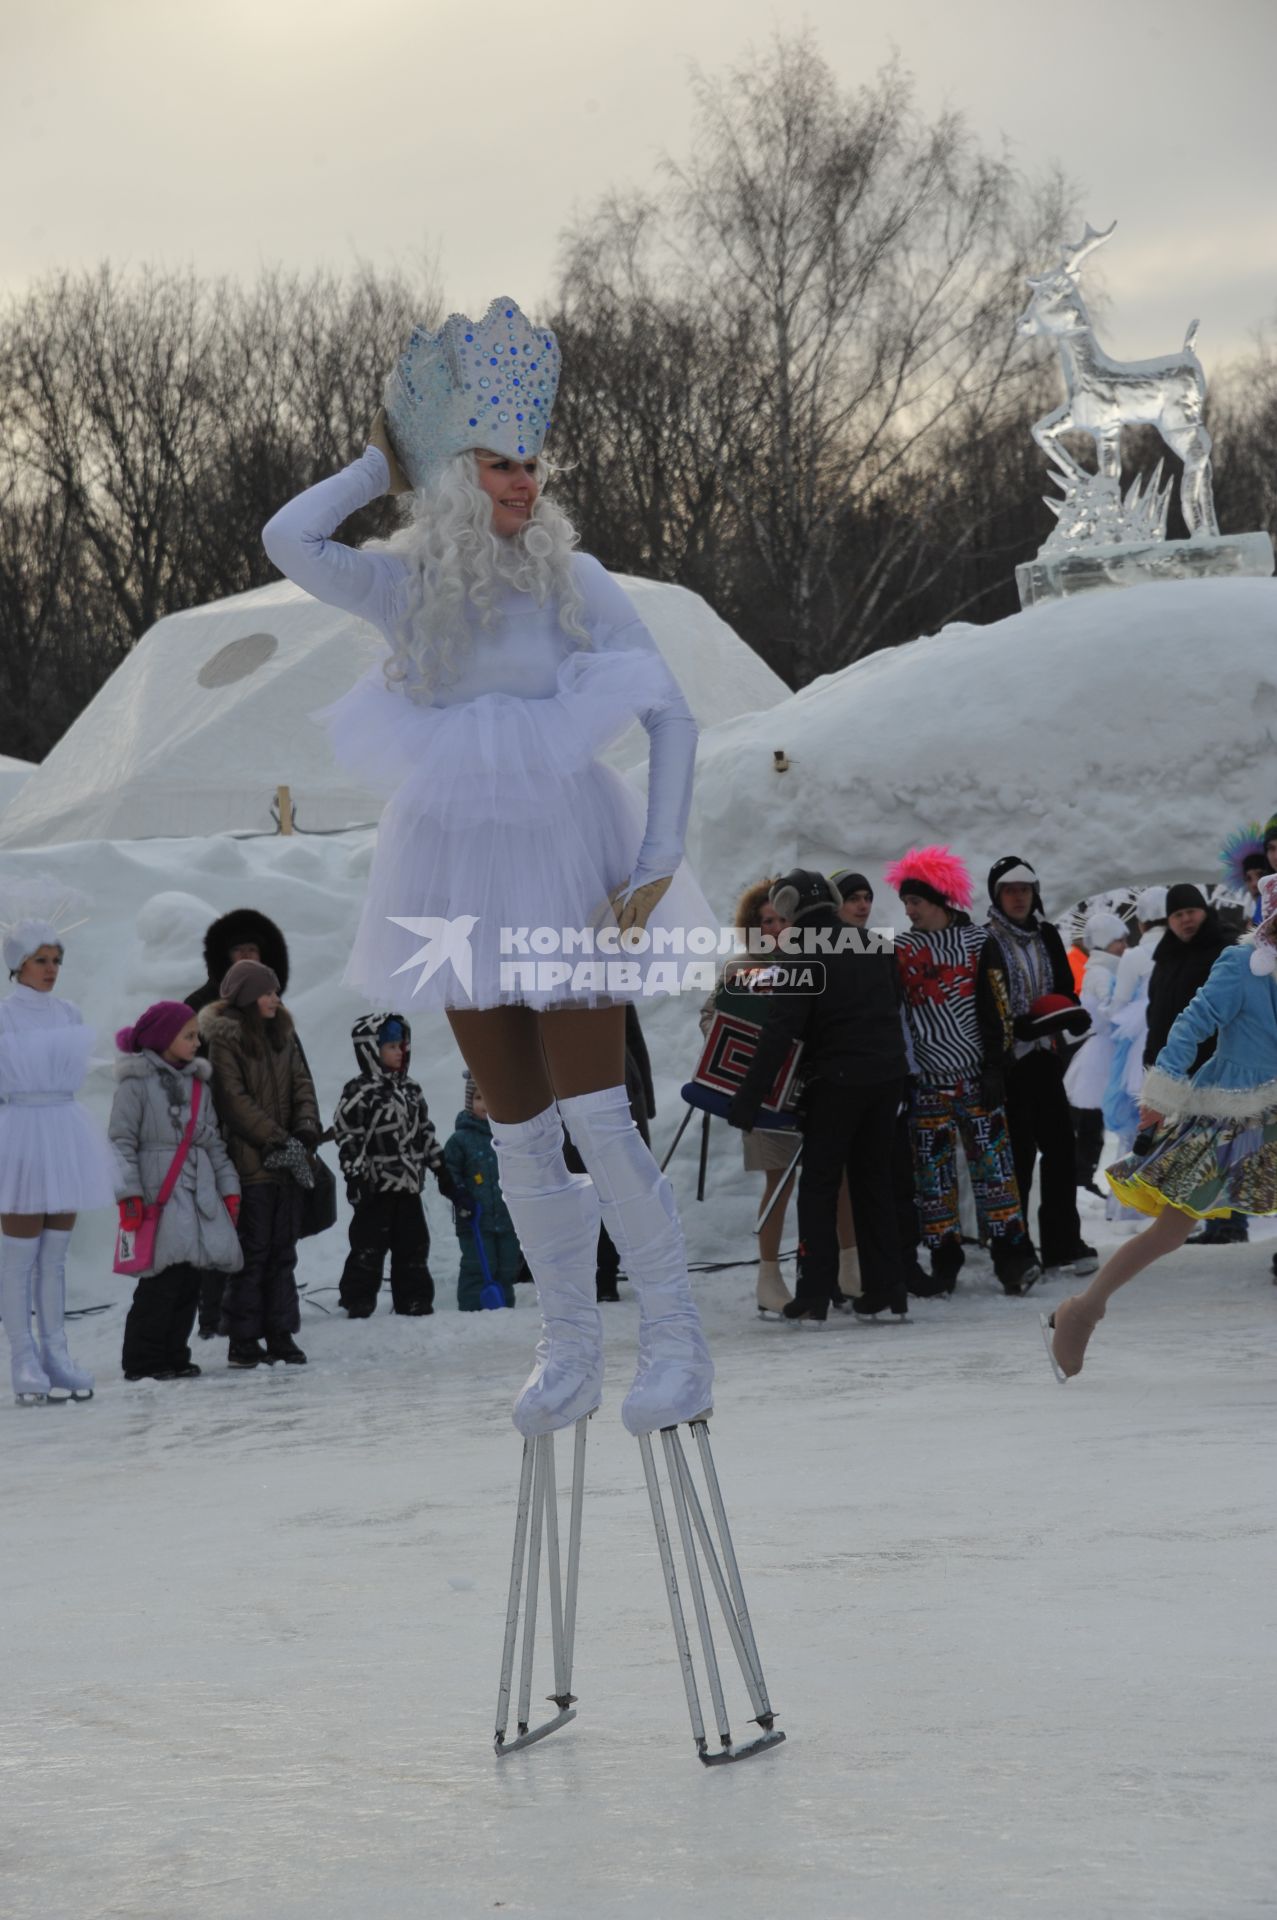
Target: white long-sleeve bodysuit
{"points": [[500, 810]]}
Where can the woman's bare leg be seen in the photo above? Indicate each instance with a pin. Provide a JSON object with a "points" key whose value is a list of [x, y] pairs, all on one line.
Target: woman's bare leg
{"points": [[502, 1048], [1075, 1319], [1168, 1232], [769, 1234], [22, 1226]]}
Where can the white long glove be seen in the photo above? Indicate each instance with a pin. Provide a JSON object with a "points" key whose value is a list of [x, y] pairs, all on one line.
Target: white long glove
{"points": [[672, 733]]}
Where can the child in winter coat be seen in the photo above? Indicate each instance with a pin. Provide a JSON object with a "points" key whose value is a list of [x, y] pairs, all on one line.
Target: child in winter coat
{"points": [[157, 1073], [387, 1145], [490, 1251], [266, 1100]]}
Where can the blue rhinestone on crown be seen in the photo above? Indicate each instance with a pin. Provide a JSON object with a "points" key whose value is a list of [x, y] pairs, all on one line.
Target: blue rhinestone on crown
{"points": [[475, 383]]}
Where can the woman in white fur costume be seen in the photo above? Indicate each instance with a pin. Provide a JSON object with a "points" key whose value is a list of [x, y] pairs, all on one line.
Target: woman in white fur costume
{"points": [[54, 1161]]}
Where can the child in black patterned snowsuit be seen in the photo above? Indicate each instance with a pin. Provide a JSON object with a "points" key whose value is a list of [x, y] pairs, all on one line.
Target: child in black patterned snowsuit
{"points": [[480, 1209], [387, 1145]]}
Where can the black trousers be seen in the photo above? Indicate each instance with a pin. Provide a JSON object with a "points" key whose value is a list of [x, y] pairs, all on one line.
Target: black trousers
{"points": [[851, 1130], [157, 1331], [262, 1297], [394, 1224], [1088, 1137], [1040, 1123]]}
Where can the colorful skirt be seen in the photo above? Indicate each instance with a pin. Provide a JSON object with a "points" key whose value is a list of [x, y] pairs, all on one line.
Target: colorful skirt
{"points": [[1204, 1166]]}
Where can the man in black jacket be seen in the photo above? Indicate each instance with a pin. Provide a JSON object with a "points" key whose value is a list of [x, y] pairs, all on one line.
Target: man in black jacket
{"points": [[854, 1067], [1192, 943], [1037, 1107]]}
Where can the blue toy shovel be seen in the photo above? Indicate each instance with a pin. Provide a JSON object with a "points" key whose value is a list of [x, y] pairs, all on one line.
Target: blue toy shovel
{"points": [[490, 1294]]}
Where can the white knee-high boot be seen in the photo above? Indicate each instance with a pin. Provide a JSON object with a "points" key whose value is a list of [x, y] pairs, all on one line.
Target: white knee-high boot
{"points": [[675, 1378], [50, 1315], [556, 1216], [17, 1268]]}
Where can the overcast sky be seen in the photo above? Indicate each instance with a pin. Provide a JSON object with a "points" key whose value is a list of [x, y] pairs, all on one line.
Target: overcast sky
{"points": [[308, 132]]}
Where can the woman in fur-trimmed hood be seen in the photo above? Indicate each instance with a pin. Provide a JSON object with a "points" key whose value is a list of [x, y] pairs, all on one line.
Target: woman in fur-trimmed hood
{"points": [[1209, 1137], [241, 934]]}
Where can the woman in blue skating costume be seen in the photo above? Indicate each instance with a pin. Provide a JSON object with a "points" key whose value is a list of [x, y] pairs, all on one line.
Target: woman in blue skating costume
{"points": [[1208, 1143], [512, 661]]}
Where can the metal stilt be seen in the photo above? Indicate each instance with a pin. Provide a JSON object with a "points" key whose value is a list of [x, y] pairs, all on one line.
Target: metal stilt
{"points": [[537, 1515], [698, 1543]]}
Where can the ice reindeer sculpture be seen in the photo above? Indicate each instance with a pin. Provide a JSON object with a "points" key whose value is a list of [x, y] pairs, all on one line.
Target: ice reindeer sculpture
{"points": [[1105, 395], [1102, 537]]}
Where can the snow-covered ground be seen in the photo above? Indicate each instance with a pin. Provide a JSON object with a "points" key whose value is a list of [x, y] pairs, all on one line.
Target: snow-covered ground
{"points": [[1020, 1637]]}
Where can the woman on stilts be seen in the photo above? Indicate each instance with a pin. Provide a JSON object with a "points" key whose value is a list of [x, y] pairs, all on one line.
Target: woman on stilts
{"points": [[1213, 1146], [513, 661]]}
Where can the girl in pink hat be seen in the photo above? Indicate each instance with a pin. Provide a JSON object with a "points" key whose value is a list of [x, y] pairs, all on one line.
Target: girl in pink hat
{"points": [[159, 1079]]}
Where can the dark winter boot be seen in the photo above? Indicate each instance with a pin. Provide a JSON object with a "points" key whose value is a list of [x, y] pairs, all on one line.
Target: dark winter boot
{"points": [[247, 1353], [866, 1306], [282, 1346], [1081, 1258], [814, 1314], [1220, 1233], [1016, 1264], [361, 1283], [946, 1264], [412, 1290], [211, 1287]]}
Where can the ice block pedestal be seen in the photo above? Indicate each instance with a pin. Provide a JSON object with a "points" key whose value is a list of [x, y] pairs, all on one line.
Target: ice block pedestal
{"points": [[1056, 574]]}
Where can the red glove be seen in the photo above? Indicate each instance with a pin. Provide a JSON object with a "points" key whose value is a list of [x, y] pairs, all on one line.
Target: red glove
{"points": [[131, 1213], [232, 1207]]}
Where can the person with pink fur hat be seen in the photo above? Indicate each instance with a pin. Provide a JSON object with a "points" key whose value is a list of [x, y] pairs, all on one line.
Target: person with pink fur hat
{"points": [[1207, 1144], [161, 1087], [958, 1009]]}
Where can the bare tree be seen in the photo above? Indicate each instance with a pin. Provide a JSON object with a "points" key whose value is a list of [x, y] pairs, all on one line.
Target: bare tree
{"points": [[152, 425], [853, 272]]}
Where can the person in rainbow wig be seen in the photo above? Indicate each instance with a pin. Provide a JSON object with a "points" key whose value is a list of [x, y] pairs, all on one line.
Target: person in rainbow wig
{"points": [[959, 1013]]}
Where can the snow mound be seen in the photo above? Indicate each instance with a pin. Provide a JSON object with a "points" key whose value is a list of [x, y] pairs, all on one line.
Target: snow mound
{"points": [[1111, 737], [208, 716], [14, 775]]}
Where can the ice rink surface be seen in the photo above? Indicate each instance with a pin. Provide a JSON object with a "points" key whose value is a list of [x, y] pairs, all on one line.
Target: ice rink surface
{"points": [[1020, 1636]]}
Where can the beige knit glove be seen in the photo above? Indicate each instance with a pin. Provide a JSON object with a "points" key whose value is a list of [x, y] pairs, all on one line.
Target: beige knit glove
{"points": [[640, 904]]}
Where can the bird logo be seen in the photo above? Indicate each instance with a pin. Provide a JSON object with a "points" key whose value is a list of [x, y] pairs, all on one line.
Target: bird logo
{"points": [[445, 941]]}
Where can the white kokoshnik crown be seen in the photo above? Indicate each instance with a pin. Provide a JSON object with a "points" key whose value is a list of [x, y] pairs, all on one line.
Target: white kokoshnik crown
{"points": [[35, 913], [475, 383]]}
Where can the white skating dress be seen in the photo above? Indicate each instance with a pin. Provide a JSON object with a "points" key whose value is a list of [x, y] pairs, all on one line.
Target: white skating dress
{"points": [[1086, 1081], [500, 817], [53, 1157]]}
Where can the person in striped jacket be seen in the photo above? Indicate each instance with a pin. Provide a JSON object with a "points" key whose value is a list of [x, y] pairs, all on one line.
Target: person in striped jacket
{"points": [[957, 1006]]}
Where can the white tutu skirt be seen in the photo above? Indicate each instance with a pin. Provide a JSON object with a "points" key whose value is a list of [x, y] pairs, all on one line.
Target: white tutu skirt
{"points": [[503, 837], [1086, 1081], [53, 1156]]}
